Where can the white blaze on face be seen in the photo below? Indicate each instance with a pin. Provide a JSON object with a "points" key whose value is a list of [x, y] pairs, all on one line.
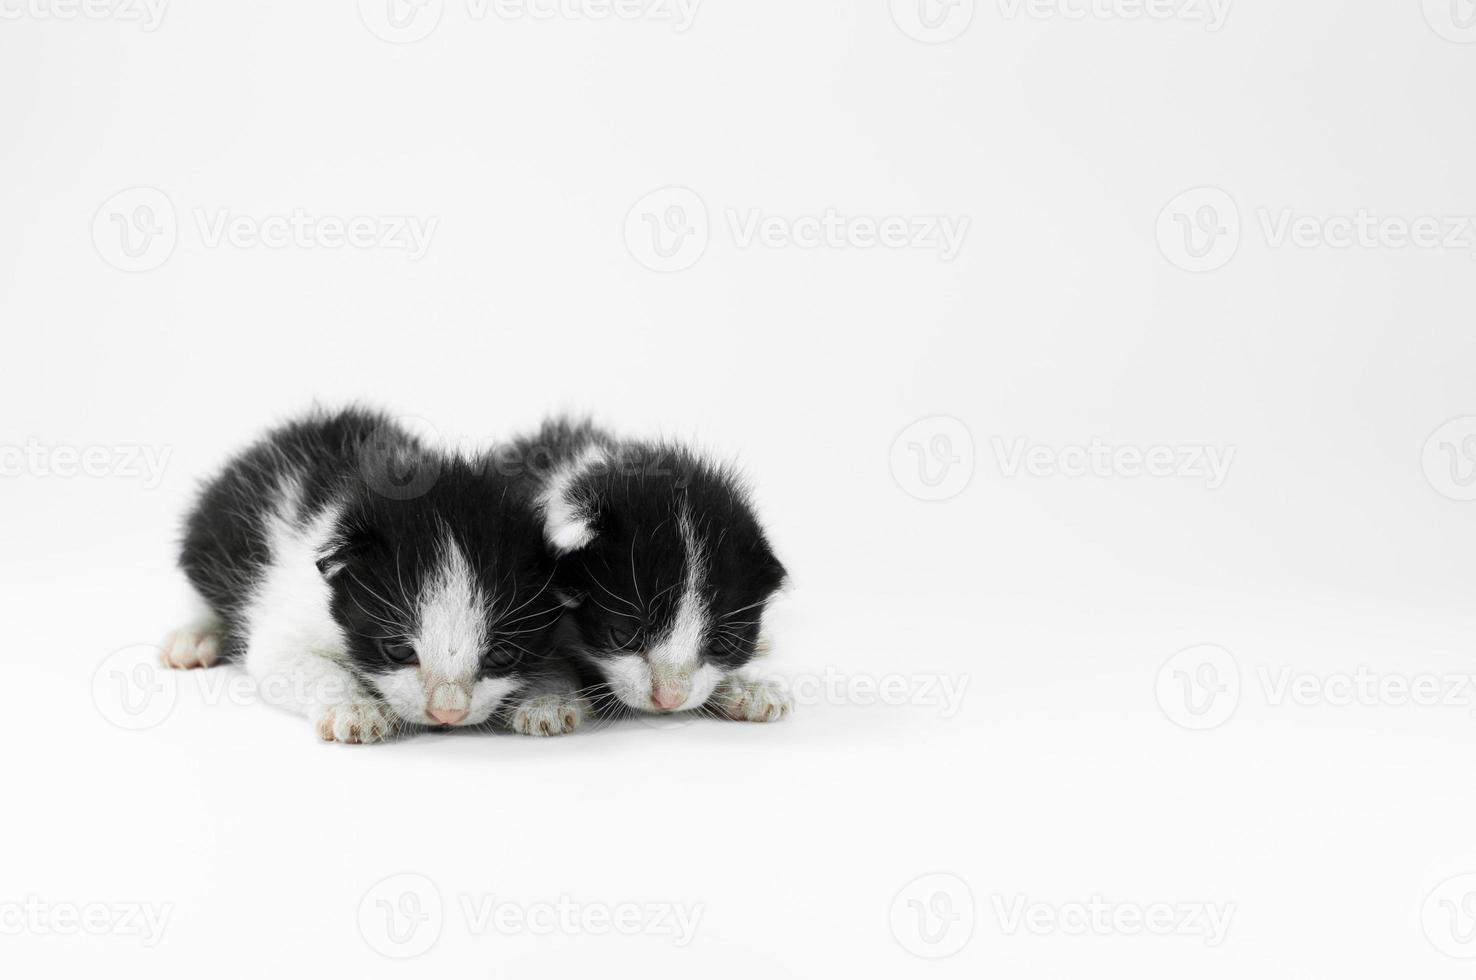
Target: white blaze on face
{"points": [[449, 641], [672, 677]]}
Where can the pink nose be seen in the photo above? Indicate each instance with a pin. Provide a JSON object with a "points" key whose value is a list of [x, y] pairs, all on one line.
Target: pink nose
{"points": [[447, 716], [667, 700]]}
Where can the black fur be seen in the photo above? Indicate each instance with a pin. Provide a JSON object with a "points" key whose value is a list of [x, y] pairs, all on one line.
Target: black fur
{"points": [[627, 581], [397, 499]]}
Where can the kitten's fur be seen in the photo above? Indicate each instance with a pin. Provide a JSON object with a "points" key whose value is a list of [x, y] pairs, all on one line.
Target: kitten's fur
{"points": [[664, 564], [370, 582]]}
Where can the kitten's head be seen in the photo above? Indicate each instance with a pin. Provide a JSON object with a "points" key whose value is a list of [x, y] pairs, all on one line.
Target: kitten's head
{"points": [[666, 566], [445, 599]]}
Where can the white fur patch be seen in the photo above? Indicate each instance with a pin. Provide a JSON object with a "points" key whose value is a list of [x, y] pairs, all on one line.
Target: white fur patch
{"points": [[673, 665], [680, 651], [288, 615], [452, 619], [567, 525]]}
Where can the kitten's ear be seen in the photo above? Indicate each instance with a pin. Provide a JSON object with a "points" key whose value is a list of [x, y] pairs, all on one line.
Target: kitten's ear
{"points": [[572, 505], [348, 542]]}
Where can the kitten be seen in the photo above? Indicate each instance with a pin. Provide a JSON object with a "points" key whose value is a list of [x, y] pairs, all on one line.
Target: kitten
{"points": [[370, 583], [665, 567]]}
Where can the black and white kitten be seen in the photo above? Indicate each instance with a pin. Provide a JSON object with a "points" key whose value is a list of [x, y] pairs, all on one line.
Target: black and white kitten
{"points": [[664, 563], [369, 582]]}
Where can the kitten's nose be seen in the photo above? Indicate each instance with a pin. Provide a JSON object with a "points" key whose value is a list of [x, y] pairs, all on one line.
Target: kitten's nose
{"points": [[447, 716], [667, 700]]}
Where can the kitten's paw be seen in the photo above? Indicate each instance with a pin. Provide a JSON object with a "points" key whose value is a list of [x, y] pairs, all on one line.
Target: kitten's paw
{"points": [[190, 646], [353, 722], [549, 714], [764, 645], [752, 700]]}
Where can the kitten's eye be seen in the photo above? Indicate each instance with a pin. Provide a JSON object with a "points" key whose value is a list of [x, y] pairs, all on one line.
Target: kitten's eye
{"points": [[398, 651], [499, 657], [620, 637]]}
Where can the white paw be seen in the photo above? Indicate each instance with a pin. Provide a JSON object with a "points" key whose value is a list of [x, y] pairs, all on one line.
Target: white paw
{"points": [[764, 645], [752, 700], [353, 722], [191, 646], [549, 714]]}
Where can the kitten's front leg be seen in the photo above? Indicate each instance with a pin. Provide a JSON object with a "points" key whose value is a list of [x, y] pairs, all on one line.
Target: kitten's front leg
{"points": [[549, 705], [746, 697], [307, 683]]}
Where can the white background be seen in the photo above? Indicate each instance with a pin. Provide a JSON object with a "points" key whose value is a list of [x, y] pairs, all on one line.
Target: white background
{"points": [[1336, 542]]}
